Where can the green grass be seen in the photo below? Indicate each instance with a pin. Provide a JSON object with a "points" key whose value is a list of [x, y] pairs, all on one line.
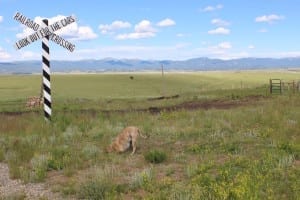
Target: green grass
{"points": [[117, 91], [246, 152], [155, 156], [120, 86]]}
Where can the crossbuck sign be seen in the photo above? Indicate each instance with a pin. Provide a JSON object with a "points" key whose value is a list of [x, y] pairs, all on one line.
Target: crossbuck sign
{"points": [[45, 32]]}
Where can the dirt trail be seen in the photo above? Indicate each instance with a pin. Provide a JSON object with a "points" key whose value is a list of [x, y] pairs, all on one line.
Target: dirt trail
{"points": [[190, 105]]}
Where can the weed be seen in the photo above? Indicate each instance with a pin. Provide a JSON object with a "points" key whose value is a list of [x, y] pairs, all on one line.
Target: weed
{"points": [[180, 157], [19, 195], [287, 147], [90, 151], [286, 161], [39, 166], [71, 135], [107, 172], [233, 148], [155, 156], [59, 157], [179, 192], [191, 170], [68, 188], [95, 190], [170, 171], [143, 179], [100, 185]]}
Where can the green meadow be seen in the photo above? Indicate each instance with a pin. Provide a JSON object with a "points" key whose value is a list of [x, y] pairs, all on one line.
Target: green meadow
{"points": [[116, 86], [245, 145]]}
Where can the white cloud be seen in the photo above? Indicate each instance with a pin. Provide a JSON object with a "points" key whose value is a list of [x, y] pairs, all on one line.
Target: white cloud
{"points": [[269, 18], [72, 31], [212, 8], [176, 51], [1, 19], [116, 25], [180, 35], [220, 22], [263, 30], [277, 54], [289, 54], [29, 55], [183, 35], [251, 46], [166, 22], [135, 35], [224, 51], [219, 31], [25, 33], [143, 29], [224, 45], [234, 55], [4, 55], [144, 26], [84, 33]]}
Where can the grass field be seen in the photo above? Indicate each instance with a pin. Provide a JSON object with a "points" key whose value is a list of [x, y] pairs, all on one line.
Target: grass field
{"points": [[95, 90], [248, 150], [116, 86]]}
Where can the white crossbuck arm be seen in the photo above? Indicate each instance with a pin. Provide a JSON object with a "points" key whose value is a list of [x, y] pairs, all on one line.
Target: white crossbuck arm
{"points": [[42, 31]]}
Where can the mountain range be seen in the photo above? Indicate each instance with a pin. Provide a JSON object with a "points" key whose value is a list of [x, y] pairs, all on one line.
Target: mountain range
{"points": [[128, 65]]}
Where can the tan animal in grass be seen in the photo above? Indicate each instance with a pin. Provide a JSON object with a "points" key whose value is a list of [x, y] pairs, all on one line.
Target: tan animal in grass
{"points": [[128, 137], [34, 101]]}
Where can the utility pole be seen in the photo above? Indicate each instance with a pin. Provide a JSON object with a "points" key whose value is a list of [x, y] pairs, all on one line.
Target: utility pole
{"points": [[163, 80]]}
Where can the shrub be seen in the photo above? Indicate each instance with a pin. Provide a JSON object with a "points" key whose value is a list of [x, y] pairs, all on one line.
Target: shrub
{"points": [[59, 157], [94, 189], [143, 179], [100, 184], [155, 156], [90, 151], [39, 165]]}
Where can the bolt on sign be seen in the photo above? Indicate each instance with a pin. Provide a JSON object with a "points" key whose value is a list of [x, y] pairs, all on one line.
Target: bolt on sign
{"points": [[45, 32]]}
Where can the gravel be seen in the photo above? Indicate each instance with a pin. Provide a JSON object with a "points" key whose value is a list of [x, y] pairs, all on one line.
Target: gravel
{"points": [[15, 189]]}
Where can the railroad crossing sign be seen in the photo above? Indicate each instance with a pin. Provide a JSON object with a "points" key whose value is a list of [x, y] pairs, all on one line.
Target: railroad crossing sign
{"points": [[45, 32]]}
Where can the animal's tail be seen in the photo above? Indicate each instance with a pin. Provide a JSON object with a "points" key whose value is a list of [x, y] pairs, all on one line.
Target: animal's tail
{"points": [[140, 133]]}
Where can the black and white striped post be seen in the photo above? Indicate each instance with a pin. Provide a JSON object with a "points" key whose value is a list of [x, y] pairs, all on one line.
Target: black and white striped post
{"points": [[46, 75]]}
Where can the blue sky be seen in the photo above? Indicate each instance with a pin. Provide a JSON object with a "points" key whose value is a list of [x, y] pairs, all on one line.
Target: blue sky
{"points": [[157, 29]]}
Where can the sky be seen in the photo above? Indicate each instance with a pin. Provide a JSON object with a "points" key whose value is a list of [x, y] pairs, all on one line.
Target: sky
{"points": [[156, 29]]}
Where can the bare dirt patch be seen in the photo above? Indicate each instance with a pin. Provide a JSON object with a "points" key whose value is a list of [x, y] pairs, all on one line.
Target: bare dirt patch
{"points": [[16, 189], [210, 104]]}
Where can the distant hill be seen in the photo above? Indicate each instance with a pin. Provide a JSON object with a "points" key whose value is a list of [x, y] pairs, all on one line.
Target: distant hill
{"points": [[110, 64]]}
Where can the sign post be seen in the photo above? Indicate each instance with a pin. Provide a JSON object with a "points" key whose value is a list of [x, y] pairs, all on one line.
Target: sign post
{"points": [[46, 33], [46, 75]]}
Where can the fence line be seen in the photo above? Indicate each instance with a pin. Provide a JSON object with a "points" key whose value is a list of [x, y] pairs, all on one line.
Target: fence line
{"points": [[279, 86]]}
